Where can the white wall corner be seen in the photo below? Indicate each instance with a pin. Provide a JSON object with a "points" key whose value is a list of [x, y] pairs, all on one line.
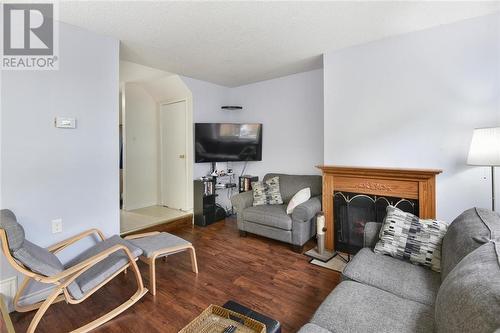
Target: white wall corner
{"points": [[8, 288]]}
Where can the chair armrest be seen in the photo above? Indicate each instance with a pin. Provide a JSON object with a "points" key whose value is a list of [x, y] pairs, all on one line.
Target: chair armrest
{"points": [[67, 242], [371, 234], [307, 210], [242, 200]]}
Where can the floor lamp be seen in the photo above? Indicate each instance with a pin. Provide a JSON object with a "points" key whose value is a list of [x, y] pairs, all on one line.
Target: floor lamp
{"points": [[485, 151]]}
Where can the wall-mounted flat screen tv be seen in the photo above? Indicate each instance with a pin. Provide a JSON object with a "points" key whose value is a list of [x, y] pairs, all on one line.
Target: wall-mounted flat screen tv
{"points": [[222, 142]]}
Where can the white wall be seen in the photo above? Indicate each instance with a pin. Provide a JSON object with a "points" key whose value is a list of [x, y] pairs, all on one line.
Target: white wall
{"points": [[291, 111], [141, 148], [413, 101], [72, 174]]}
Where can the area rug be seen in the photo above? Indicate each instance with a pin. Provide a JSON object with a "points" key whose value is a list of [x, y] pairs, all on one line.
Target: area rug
{"points": [[335, 264]]}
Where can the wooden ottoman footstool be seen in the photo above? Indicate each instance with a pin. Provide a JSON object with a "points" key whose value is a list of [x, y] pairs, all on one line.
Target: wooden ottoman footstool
{"points": [[157, 245]]}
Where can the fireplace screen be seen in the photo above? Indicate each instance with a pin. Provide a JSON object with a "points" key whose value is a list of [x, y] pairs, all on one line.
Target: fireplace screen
{"points": [[353, 210]]}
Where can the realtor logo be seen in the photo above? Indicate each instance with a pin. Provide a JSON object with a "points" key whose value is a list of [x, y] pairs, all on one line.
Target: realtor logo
{"points": [[29, 36]]}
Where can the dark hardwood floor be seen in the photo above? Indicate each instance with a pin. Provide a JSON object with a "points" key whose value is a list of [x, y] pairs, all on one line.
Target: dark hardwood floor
{"points": [[262, 274]]}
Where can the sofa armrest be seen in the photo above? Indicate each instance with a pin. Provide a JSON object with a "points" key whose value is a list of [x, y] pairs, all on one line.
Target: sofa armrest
{"points": [[371, 234], [242, 200], [307, 210]]}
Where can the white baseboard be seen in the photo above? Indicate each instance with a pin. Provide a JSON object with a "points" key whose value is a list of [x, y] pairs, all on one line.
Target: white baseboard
{"points": [[8, 288]]}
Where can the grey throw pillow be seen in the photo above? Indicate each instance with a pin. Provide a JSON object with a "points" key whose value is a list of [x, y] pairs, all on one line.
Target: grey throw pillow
{"points": [[405, 236], [267, 192]]}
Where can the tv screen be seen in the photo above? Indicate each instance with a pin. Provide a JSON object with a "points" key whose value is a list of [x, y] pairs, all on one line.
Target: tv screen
{"points": [[220, 142]]}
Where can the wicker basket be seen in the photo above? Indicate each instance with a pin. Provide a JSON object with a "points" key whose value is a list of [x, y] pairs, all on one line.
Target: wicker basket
{"points": [[215, 319]]}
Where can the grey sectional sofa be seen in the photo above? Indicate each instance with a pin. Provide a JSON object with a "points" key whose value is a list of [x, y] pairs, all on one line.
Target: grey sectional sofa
{"points": [[383, 294], [272, 221]]}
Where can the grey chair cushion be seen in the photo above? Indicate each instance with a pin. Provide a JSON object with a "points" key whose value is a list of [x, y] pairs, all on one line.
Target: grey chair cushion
{"points": [[99, 272], [469, 298], [104, 245], [291, 184], [313, 328], [459, 239], [269, 215], [396, 276], [151, 244], [38, 259], [104, 269], [14, 231], [355, 307]]}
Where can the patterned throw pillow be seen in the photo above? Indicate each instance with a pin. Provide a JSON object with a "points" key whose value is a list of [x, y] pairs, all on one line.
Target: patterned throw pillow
{"points": [[405, 236], [267, 192]]}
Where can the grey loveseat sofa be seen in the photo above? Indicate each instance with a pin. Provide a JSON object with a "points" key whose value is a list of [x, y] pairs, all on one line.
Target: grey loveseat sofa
{"points": [[272, 221], [383, 294]]}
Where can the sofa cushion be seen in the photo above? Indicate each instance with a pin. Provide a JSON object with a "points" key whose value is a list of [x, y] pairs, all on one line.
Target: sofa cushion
{"points": [[459, 240], [405, 236], [267, 192], [396, 276], [270, 215], [355, 307], [313, 328], [291, 184], [469, 298]]}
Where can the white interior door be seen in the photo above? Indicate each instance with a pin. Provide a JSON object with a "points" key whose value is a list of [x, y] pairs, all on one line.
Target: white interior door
{"points": [[173, 155]]}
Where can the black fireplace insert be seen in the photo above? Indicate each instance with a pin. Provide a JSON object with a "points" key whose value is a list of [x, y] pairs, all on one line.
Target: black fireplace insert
{"points": [[353, 210]]}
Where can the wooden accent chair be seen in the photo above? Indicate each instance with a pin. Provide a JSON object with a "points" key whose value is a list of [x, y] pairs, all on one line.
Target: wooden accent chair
{"points": [[75, 281]]}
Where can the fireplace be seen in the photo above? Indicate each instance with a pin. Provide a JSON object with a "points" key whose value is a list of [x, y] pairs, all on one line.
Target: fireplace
{"points": [[357, 195], [353, 210]]}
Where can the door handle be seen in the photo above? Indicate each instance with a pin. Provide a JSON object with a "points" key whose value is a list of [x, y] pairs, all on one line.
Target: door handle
{"points": [[182, 156]]}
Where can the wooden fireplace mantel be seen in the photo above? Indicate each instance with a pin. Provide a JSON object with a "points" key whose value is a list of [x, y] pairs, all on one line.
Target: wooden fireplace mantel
{"points": [[419, 184]]}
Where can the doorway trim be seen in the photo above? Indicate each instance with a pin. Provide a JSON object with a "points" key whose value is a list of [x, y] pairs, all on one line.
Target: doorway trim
{"points": [[188, 200]]}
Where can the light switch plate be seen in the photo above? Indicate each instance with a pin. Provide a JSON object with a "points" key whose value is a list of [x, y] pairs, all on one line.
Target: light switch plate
{"points": [[56, 226], [65, 122]]}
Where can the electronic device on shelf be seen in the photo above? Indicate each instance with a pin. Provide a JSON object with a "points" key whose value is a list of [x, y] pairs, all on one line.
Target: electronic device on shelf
{"points": [[245, 182], [225, 142]]}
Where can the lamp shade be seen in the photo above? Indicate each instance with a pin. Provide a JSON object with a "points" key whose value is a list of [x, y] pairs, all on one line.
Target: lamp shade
{"points": [[485, 147]]}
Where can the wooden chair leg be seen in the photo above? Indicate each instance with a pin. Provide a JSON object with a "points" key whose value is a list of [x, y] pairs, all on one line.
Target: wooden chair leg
{"points": [[152, 276], [194, 264], [41, 311]]}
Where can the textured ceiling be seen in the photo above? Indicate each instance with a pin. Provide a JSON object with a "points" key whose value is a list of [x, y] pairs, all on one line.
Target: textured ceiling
{"points": [[235, 43]]}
